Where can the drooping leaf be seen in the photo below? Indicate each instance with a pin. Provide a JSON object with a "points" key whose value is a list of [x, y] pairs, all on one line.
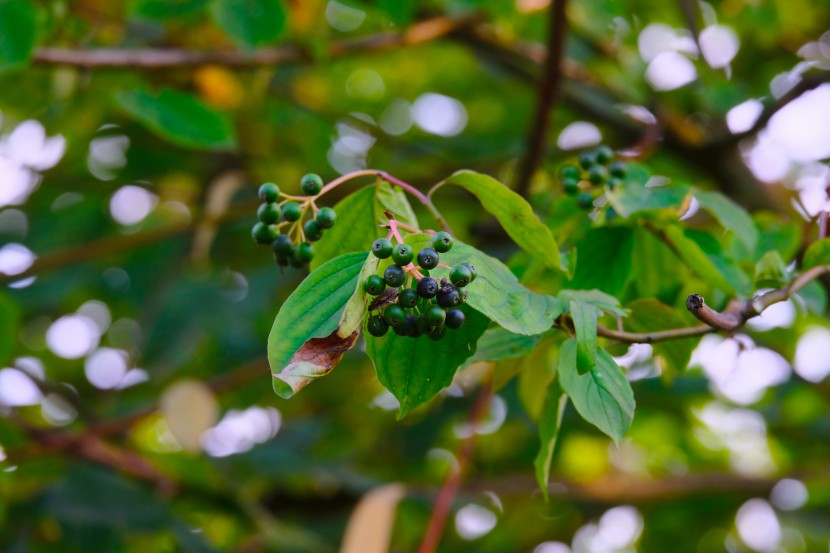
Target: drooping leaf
{"points": [[585, 316], [536, 372], [601, 267], [416, 369], [710, 269], [359, 216], [817, 254], [549, 425], [815, 297], [770, 271], [18, 32], [649, 278], [180, 118], [514, 214], [9, 319], [601, 300], [250, 23], [602, 396], [634, 197], [498, 344], [730, 215], [648, 315], [317, 324]]}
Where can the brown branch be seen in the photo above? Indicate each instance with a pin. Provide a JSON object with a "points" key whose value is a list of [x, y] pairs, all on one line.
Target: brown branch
{"points": [[547, 93], [447, 493], [157, 58], [652, 337]]}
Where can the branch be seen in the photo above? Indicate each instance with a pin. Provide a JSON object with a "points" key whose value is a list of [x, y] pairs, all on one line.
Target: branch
{"points": [[652, 337], [547, 93], [157, 58]]}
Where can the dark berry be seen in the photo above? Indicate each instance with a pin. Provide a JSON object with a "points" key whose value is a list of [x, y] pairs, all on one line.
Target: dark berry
{"points": [[407, 327], [394, 315], [408, 298], [422, 326], [598, 174], [382, 248], [374, 285], [427, 258], [394, 275], [427, 287], [292, 211], [311, 184], [435, 315], [460, 275], [462, 294], [613, 183], [455, 318], [570, 187], [473, 272], [304, 252], [604, 154], [448, 297], [312, 230], [587, 160], [326, 217], [569, 172], [377, 326], [294, 262], [442, 242], [269, 192], [402, 254], [437, 333], [619, 169], [263, 234], [268, 213], [585, 200], [281, 246]]}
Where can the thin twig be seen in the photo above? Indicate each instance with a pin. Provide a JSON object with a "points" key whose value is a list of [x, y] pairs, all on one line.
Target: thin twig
{"points": [[652, 337], [547, 93]]}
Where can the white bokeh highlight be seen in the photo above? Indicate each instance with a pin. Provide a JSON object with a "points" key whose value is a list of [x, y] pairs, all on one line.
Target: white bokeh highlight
{"points": [[439, 114], [758, 526], [579, 134], [789, 494], [719, 45], [239, 431], [812, 355], [15, 259], [131, 204], [73, 336], [474, 521]]}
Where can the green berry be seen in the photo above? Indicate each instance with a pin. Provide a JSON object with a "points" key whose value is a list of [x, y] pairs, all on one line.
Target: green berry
{"points": [[402, 254], [473, 272], [435, 315], [613, 183], [462, 294], [407, 327], [311, 184], [326, 217], [604, 154], [394, 275], [587, 160], [585, 200], [455, 318], [269, 192], [408, 298], [292, 211], [263, 234], [598, 174], [442, 242], [382, 248], [374, 285], [619, 169], [428, 258], [304, 252], [448, 297], [268, 213], [376, 326], [437, 333], [281, 246], [570, 187], [460, 275], [394, 315], [427, 287], [569, 172], [312, 230]]}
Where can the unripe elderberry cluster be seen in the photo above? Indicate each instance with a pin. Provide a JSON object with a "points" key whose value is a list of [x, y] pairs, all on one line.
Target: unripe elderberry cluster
{"points": [[424, 305], [294, 247], [596, 168]]}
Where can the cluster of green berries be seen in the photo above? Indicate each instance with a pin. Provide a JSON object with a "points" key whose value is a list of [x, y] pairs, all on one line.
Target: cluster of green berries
{"points": [[427, 307], [293, 248], [596, 168]]}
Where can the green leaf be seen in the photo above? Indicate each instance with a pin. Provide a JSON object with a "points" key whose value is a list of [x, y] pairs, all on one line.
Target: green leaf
{"points": [[498, 344], [770, 271], [399, 11], [318, 323], [180, 118], [650, 278], [601, 267], [634, 197], [817, 254], [9, 321], [359, 216], [602, 396], [536, 372], [514, 214], [707, 268], [549, 426], [730, 215], [18, 31], [416, 369], [601, 300], [497, 293], [815, 297], [585, 316], [250, 23], [648, 315]]}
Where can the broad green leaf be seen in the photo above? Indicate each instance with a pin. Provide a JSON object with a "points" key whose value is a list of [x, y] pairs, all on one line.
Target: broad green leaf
{"points": [[9, 320], [817, 254], [730, 215], [359, 216], [602, 396], [416, 369], [601, 300], [18, 32], [633, 197], [250, 23], [649, 277], [498, 344], [815, 297], [648, 315], [777, 232], [770, 271], [514, 214], [602, 267], [549, 426], [314, 327], [497, 293], [536, 372], [585, 316], [701, 264], [180, 118]]}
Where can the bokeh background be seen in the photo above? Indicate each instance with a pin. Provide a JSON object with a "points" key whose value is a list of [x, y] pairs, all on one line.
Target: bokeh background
{"points": [[136, 410]]}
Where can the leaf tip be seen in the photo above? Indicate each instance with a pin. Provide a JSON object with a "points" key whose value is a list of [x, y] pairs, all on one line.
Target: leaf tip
{"points": [[282, 388]]}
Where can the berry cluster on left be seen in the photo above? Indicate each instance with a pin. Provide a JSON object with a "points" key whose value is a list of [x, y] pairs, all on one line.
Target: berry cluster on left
{"points": [[280, 211]]}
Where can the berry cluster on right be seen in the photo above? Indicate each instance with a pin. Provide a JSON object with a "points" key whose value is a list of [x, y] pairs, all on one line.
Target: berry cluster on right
{"points": [[596, 168], [407, 299]]}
